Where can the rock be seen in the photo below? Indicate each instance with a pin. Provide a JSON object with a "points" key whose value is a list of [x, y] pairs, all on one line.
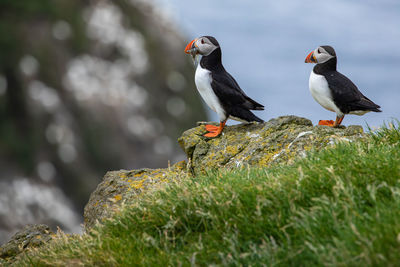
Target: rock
{"points": [[260, 144], [118, 187], [25, 201], [29, 237]]}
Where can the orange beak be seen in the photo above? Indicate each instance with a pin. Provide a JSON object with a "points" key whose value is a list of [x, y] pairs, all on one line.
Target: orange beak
{"points": [[189, 48], [311, 58]]}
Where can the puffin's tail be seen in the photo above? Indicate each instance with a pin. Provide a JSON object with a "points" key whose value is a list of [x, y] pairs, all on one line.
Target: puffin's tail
{"points": [[253, 105], [367, 104], [244, 115]]}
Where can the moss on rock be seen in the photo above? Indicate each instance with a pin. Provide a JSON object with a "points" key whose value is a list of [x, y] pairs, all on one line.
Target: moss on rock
{"points": [[260, 144], [31, 236], [253, 144], [118, 187]]}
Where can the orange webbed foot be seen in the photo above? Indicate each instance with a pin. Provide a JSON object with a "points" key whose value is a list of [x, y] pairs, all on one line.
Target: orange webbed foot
{"points": [[212, 134], [211, 128], [326, 123], [214, 131]]}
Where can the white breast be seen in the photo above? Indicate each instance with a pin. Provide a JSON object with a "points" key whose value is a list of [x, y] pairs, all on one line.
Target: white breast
{"points": [[321, 93], [203, 80]]}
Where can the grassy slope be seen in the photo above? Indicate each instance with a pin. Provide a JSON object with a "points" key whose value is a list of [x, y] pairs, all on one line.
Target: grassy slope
{"points": [[340, 206]]}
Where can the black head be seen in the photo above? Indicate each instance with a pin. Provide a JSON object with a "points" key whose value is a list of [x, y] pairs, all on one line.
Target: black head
{"points": [[203, 45], [329, 49], [212, 40], [321, 54]]}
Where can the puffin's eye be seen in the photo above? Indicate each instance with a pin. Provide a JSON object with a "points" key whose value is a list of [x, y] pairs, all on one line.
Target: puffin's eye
{"points": [[319, 52], [202, 41]]}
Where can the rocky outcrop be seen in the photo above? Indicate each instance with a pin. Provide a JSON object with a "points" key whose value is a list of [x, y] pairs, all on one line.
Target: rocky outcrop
{"points": [[30, 236], [23, 201], [260, 144], [120, 186]]}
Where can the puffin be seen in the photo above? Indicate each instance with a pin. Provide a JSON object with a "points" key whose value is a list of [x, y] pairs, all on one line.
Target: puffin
{"points": [[218, 88], [334, 91]]}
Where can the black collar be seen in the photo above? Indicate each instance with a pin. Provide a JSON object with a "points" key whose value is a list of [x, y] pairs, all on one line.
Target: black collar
{"points": [[325, 67], [213, 61]]}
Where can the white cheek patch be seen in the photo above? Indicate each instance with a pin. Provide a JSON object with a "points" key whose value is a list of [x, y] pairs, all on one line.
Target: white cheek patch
{"points": [[323, 56], [206, 49]]}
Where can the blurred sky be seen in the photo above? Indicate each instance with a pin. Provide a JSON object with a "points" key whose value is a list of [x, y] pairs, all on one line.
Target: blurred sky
{"points": [[264, 44]]}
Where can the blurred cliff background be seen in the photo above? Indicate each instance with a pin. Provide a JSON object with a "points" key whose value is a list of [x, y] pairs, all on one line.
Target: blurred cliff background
{"points": [[90, 86], [85, 87]]}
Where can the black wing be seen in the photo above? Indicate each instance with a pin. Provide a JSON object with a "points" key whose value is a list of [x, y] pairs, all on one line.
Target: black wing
{"points": [[346, 94], [230, 94]]}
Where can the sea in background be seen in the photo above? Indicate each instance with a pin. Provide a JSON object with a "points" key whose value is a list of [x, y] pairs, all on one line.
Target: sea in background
{"points": [[264, 44]]}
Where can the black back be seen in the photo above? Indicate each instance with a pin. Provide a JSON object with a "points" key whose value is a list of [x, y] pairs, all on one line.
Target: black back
{"points": [[234, 101], [345, 93]]}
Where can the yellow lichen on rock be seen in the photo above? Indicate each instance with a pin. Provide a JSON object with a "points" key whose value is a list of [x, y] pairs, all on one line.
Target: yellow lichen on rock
{"points": [[122, 186], [137, 184], [117, 197], [253, 144], [260, 144]]}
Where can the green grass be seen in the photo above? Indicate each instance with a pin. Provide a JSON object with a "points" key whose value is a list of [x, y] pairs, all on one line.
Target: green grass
{"points": [[337, 207]]}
